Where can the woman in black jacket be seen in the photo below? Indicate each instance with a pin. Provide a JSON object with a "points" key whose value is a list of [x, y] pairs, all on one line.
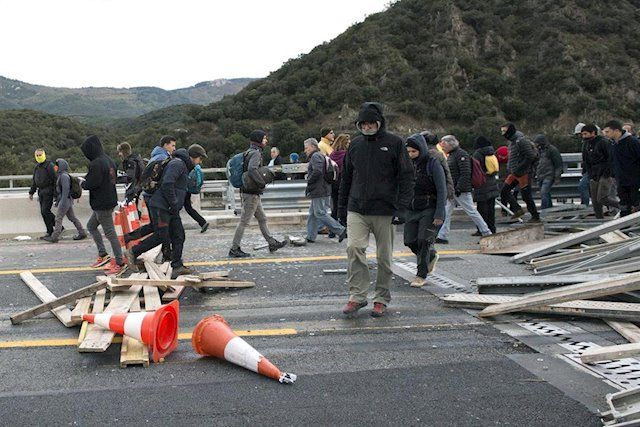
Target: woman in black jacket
{"points": [[485, 196]]}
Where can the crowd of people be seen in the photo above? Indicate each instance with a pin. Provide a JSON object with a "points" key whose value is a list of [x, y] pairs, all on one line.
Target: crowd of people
{"points": [[357, 187]]}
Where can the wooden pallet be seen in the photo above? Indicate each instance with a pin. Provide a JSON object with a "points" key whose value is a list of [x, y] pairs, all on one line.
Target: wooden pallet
{"points": [[132, 351]]}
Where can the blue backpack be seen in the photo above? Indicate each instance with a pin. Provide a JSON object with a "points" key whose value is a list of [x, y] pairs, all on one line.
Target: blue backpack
{"points": [[195, 180], [235, 169]]}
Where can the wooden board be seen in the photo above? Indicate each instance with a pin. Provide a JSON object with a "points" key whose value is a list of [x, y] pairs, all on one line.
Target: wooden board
{"points": [[151, 298], [627, 329], [614, 236], [45, 295], [213, 274], [613, 352], [522, 247], [82, 307], [510, 238], [221, 284], [98, 307], [132, 351], [120, 284], [588, 290], [57, 302]]}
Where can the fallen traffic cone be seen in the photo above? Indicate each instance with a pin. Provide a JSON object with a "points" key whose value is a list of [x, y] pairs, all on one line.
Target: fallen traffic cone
{"points": [[213, 337], [158, 329]]}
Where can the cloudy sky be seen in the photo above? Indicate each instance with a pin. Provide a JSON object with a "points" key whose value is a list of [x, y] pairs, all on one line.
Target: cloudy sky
{"points": [[169, 44]]}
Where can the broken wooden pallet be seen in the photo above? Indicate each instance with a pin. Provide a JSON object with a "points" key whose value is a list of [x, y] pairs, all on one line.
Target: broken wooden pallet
{"points": [[45, 295], [98, 307], [132, 351]]}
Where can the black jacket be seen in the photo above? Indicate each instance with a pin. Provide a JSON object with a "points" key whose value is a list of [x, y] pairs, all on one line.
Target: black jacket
{"points": [[101, 176], [253, 181], [173, 183], [626, 161], [317, 186], [133, 166], [522, 155], [430, 191], [490, 188], [44, 178], [596, 158], [377, 175], [460, 167]]}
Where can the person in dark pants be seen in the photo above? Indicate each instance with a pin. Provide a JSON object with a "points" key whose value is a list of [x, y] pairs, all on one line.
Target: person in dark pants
{"points": [[548, 170], [485, 196], [44, 180], [196, 179], [427, 209], [340, 146], [626, 165], [596, 163]]}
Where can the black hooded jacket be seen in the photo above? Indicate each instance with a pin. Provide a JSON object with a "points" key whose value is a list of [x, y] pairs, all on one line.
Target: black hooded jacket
{"points": [[101, 176], [430, 191], [44, 178], [377, 175], [173, 184]]}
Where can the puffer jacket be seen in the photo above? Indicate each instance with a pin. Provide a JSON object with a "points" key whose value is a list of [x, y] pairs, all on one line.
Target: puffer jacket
{"points": [[521, 155], [460, 166], [317, 186], [489, 190], [101, 176]]}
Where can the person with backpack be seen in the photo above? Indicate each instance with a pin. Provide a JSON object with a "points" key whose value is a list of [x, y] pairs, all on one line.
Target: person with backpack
{"points": [[460, 165], [133, 167], [427, 209], [101, 183], [340, 146], [252, 187], [319, 190], [549, 169], [165, 206], [523, 156], [67, 189], [485, 194], [43, 181], [195, 181]]}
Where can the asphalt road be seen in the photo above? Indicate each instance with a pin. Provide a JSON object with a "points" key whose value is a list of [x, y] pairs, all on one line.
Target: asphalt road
{"points": [[423, 364]]}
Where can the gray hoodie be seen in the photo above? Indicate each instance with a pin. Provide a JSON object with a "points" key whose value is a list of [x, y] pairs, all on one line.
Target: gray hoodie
{"points": [[63, 185]]}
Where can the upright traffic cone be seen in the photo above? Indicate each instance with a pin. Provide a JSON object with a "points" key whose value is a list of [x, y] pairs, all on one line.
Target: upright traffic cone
{"points": [[213, 337], [119, 221], [144, 213], [132, 223], [158, 329]]}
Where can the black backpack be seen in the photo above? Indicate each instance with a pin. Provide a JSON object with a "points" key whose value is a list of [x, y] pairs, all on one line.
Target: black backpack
{"points": [[152, 174], [76, 188]]}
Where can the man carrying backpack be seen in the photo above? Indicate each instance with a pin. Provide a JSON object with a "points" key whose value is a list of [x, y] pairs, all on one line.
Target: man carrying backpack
{"points": [[64, 202], [485, 194], [252, 188], [133, 166], [319, 191], [44, 180]]}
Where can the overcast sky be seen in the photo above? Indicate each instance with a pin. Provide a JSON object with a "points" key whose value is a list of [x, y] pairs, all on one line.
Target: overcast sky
{"points": [[169, 44]]}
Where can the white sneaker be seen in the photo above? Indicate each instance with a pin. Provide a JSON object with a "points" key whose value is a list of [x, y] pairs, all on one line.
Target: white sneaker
{"points": [[417, 282]]}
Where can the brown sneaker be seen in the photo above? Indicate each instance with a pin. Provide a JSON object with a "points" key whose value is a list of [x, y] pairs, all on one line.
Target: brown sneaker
{"points": [[353, 307], [379, 309]]}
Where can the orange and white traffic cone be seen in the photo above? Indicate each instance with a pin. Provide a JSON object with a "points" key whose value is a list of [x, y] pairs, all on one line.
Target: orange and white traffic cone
{"points": [[213, 337], [158, 329], [119, 221], [144, 213], [132, 222]]}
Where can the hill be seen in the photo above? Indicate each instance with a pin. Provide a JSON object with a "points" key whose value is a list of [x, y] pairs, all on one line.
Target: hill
{"points": [[99, 105]]}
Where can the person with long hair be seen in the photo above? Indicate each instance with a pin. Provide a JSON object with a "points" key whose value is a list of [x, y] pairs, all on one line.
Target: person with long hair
{"points": [[340, 146]]}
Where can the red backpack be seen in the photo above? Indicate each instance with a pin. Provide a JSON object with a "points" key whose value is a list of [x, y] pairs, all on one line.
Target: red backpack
{"points": [[478, 176]]}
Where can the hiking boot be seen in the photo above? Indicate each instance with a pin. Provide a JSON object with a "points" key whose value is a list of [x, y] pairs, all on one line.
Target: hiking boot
{"points": [[432, 263], [204, 227], [101, 260], [115, 269], [238, 253], [534, 220], [417, 282], [342, 236], [275, 245], [517, 214], [49, 239], [352, 307], [132, 260], [442, 241], [80, 236], [181, 271], [379, 309]]}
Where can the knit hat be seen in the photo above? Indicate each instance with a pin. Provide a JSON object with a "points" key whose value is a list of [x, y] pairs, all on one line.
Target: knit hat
{"points": [[511, 130], [257, 136], [540, 139], [196, 150], [502, 153], [311, 141], [325, 131], [481, 142]]}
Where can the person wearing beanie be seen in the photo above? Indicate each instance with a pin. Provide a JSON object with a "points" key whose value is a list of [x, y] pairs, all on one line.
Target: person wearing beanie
{"points": [[522, 158], [100, 181], [426, 211], [596, 164], [549, 169], [485, 195], [377, 181], [253, 186], [43, 181], [460, 165], [195, 181], [326, 141]]}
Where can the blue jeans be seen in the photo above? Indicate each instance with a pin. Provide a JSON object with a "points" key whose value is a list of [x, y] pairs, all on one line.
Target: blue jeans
{"points": [[545, 192], [583, 188], [319, 216], [465, 200]]}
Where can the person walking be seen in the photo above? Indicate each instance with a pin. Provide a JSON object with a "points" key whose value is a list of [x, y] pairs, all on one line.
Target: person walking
{"points": [[596, 162], [340, 146], [485, 195], [435, 151], [101, 183], [250, 197], [195, 181], [319, 190], [460, 166], [132, 166], [43, 181], [548, 170], [427, 209], [584, 183], [626, 165], [64, 203], [377, 180], [326, 141]]}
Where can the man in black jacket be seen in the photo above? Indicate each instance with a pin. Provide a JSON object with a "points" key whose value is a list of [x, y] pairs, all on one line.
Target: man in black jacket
{"points": [[44, 180], [101, 183], [596, 162], [626, 165], [460, 165], [133, 166], [377, 180]]}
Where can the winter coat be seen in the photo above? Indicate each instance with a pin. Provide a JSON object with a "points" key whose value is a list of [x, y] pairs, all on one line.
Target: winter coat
{"points": [[550, 162], [173, 183], [44, 178], [252, 165], [489, 189], [63, 186], [521, 155], [596, 158], [433, 152], [460, 167], [133, 168], [317, 186], [377, 177], [338, 157], [626, 161], [430, 190], [101, 176]]}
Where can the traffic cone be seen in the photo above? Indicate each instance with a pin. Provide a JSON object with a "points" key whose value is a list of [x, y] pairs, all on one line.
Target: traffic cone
{"points": [[132, 222], [144, 213], [213, 337], [119, 219], [158, 329]]}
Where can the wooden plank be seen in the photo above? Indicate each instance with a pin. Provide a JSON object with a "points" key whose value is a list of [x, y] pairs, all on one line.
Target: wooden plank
{"points": [[576, 238], [213, 274], [165, 267], [513, 237], [151, 298], [221, 284], [99, 339], [613, 352], [57, 302], [598, 288], [82, 307], [45, 295], [98, 307], [627, 329], [614, 236], [119, 283], [522, 247], [132, 351]]}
